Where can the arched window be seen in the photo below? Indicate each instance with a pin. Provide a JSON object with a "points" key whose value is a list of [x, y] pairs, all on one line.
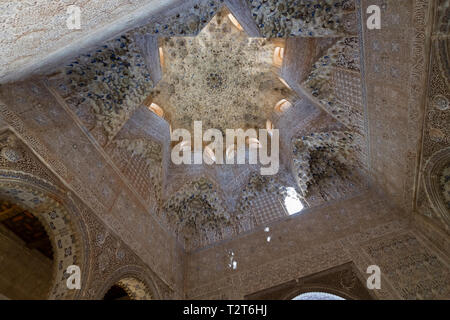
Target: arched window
{"points": [[60, 227], [284, 82], [317, 296], [161, 56], [116, 293], [156, 109], [278, 56], [128, 288], [282, 105], [235, 22]]}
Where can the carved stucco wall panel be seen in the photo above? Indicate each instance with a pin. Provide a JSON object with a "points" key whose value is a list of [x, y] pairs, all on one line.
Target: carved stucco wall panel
{"points": [[433, 200], [294, 249], [370, 230], [432, 194], [48, 128], [98, 250], [437, 237], [285, 18], [294, 252], [141, 151], [413, 269], [112, 260], [394, 56]]}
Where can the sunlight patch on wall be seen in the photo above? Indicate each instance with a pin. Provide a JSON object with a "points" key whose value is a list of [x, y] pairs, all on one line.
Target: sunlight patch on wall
{"points": [[292, 202]]}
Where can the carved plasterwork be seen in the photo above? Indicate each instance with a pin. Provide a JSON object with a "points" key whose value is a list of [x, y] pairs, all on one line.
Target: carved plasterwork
{"points": [[135, 289], [202, 74], [416, 271], [301, 18], [106, 85], [20, 183], [436, 179], [71, 135], [335, 82], [136, 282], [196, 210], [104, 89], [147, 155], [432, 190], [78, 237], [321, 156]]}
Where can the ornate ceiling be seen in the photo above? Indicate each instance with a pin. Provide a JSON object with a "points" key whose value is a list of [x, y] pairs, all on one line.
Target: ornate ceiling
{"points": [[364, 105], [202, 76], [217, 61]]}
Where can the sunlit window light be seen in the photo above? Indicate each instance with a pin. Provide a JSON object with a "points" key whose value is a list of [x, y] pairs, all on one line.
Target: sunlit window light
{"points": [[282, 106], [161, 56], [292, 202], [235, 22], [278, 56], [284, 82], [156, 109]]}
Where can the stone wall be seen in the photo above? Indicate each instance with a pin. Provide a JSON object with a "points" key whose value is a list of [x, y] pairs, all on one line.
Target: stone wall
{"points": [[24, 273]]}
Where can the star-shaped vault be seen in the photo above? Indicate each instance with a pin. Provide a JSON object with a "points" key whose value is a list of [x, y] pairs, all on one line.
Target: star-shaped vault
{"points": [[219, 71], [222, 77]]}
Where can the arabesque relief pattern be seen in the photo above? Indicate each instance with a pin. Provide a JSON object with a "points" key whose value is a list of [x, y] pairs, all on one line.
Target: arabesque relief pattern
{"points": [[75, 148]]}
